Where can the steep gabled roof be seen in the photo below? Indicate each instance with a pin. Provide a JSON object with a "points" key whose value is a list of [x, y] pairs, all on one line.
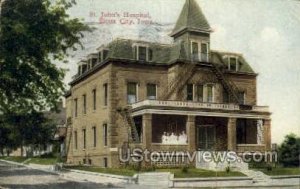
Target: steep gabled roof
{"points": [[191, 18]]}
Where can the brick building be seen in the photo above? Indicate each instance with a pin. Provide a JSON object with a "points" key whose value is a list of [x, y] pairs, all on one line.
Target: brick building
{"points": [[179, 96]]}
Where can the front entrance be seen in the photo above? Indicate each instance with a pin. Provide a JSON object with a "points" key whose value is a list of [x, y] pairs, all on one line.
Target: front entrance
{"points": [[206, 137]]}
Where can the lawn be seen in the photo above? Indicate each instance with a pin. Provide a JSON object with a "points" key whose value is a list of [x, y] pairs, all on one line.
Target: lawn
{"points": [[42, 161], [281, 171], [14, 158], [35, 160], [192, 172]]}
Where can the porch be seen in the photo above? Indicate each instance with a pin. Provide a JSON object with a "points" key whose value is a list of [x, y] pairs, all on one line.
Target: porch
{"points": [[189, 126]]}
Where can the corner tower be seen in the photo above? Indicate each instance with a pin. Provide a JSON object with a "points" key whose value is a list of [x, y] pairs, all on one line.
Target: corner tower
{"points": [[193, 30]]}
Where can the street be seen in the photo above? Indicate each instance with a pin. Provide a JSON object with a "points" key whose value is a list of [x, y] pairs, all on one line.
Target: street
{"points": [[20, 177]]}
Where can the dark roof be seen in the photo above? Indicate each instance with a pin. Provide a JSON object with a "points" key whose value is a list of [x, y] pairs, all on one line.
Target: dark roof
{"points": [[163, 55], [191, 18], [167, 54]]}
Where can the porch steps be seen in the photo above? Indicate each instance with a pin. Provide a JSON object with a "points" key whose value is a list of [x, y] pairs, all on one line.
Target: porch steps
{"points": [[257, 176], [160, 180]]}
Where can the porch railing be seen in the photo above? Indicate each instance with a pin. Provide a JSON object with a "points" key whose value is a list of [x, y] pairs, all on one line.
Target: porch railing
{"points": [[181, 104], [187, 104]]}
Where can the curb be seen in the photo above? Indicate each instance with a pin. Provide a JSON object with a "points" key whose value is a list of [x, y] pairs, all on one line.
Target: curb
{"points": [[30, 167], [127, 178]]}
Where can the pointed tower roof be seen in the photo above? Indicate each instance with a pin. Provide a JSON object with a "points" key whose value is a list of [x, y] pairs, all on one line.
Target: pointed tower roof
{"points": [[191, 19]]}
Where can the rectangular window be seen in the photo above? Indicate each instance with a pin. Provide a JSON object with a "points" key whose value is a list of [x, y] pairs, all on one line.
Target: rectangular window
{"points": [[142, 53], [200, 93], [105, 94], [105, 163], [232, 64], [209, 89], [105, 134], [84, 68], [84, 138], [75, 107], [95, 136], [226, 97], [151, 91], [195, 51], [150, 54], [84, 103], [100, 57], [94, 61], [75, 140], [204, 52], [105, 54], [94, 99], [131, 92], [190, 92], [241, 96]]}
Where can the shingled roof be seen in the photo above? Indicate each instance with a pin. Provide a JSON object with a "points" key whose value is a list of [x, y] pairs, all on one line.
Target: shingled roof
{"points": [[166, 54], [191, 18]]}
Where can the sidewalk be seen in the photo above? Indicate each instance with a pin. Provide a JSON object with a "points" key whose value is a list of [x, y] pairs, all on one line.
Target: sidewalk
{"points": [[292, 181]]}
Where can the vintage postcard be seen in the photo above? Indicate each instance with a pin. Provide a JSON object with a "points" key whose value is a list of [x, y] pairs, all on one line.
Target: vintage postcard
{"points": [[149, 94]]}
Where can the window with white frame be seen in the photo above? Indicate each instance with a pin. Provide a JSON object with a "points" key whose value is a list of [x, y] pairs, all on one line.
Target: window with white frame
{"points": [[233, 63], [209, 93], [204, 52], [151, 91], [143, 52], [103, 54], [199, 93], [132, 88], [195, 51], [200, 51]]}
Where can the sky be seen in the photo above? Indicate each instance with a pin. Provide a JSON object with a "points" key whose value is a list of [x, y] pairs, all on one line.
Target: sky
{"points": [[266, 32]]}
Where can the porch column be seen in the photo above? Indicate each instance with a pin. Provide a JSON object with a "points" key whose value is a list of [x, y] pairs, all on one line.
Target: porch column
{"points": [[231, 134], [267, 134], [191, 132], [147, 130]]}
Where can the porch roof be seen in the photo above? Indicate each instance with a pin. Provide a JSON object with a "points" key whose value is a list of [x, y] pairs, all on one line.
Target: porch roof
{"points": [[199, 109]]}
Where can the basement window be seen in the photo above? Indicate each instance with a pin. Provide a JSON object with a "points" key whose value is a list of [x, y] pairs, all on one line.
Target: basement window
{"points": [[105, 162]]}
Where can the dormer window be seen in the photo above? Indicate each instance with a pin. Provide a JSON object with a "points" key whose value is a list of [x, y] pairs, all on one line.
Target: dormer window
{"points": [[233, 64], [143, 52], [103, 54], [199, 51], [94, 61], [84, 68]]}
